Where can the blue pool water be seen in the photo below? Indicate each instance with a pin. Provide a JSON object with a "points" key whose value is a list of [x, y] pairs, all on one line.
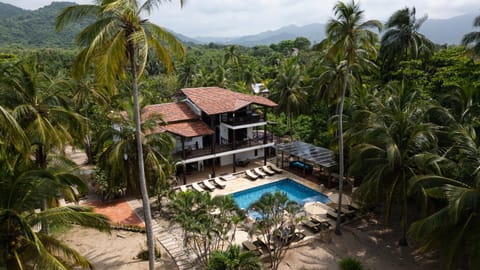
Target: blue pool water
{"points": [[295, 192]]}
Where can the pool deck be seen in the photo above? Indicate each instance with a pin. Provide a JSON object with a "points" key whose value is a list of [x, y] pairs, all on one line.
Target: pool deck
{"points": [[242, 183]]}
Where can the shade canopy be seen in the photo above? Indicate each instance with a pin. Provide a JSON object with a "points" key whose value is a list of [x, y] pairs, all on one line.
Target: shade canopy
{"points": [[315, 154]]}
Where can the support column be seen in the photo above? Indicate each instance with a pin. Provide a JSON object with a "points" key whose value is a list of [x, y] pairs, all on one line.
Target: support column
{"points": [[234, 142], [265, 153], [212, 126], [184, 157]]}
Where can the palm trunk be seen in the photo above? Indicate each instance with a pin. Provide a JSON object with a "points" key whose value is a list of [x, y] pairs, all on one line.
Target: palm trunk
{"points": [[340, 149], [141, 165]]}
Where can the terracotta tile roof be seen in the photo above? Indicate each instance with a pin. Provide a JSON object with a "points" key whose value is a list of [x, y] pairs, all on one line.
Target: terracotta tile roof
{"points": [[215, 100], [171, 112], [186, 129]]}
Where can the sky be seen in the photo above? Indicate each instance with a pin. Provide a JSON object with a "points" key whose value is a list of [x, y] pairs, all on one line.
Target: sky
{"points": [[231, 18]]}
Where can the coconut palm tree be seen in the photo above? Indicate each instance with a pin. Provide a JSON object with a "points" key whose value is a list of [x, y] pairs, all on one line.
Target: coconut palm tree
{"points": [[288, 91], [397, 144], [453, 228], [39, 107], [472, 39], [121, 38], [22, 190], [231, 56], [402, 41], [350, 37], [234, 259], [118, 157]]}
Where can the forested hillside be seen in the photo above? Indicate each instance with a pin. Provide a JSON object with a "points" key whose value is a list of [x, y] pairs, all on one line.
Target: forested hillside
{"points": [[7, 11], [24, 28]]}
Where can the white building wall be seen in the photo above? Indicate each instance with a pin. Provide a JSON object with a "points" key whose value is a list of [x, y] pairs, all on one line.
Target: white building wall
{"points": [[189, 143]]}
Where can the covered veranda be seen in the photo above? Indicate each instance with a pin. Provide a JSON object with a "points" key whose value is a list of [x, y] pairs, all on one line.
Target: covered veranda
{"points": [[305, 157]]}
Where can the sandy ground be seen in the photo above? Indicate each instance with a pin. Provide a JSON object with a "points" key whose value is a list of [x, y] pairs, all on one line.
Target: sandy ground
{"points": [[114, 251], [374, 246], [370, 242]]}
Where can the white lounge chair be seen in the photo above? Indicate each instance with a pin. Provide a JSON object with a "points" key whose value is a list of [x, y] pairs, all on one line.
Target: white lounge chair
{"points": [[196, 187], [259, 172], [219, 182], [207, 184], [267, 170], [183, 188], [228, 177], [274, 168], [250, 174]]}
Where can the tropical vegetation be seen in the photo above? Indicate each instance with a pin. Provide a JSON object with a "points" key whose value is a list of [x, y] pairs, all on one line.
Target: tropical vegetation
{"points": [[401, 114]]}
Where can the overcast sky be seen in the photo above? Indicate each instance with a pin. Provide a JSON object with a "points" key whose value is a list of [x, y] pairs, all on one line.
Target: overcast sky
{"points": [[227, 18]]}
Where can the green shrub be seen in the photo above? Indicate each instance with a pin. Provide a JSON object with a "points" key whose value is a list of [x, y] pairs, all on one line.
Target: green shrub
{"points": [[349, 263], [143, 254]]}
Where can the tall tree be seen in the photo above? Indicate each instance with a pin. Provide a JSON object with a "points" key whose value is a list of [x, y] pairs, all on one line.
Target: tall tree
{"points": [[396, 145], [41, 110], [288, 91], [23, 189], [118, 158], [472, 39], [121, 38], [452, 228], [402, 41], [350, 37]]}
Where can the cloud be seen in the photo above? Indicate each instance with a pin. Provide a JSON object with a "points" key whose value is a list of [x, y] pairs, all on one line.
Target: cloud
{"points": [[241, 17]]}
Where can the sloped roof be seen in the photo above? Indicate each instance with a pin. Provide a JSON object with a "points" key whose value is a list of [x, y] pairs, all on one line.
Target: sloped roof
{"points": [[215, 100], [171, 112], [186, 129]]}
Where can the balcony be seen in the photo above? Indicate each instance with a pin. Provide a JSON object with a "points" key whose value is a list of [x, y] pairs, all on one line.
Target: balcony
{"points": [[219, 148], [241, 119]]}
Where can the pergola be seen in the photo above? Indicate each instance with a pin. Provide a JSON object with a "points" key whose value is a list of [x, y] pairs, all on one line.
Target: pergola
{"points": [[315, 155]]}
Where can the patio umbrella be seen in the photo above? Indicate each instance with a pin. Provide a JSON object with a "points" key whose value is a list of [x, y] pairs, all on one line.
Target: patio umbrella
{"points": [[315, 208], [346, 200]]}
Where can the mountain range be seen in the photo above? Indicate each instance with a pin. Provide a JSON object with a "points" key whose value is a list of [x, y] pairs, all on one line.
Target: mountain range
{"points": [[19, 27]]}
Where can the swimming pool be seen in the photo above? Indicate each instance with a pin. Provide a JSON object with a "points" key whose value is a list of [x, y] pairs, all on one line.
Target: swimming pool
{"points": [[295, 192]]}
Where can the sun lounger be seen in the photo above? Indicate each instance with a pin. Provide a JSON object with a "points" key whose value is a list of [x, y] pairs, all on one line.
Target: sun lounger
{"points": [[251, 175], [264, 245], [274, 168], [267, 170], [314, 227], [228, 177], [219, 182], [207, 184], [259, 172], [183, 188], [322, 221], [333, 215], [196, 187], [249, 246]]}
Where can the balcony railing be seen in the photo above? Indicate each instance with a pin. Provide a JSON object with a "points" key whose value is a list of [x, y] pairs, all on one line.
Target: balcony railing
{"points": [[219, 148], [242, 119]]}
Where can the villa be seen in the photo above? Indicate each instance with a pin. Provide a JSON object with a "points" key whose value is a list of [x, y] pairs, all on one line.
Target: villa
{"points": [[213, 126]]}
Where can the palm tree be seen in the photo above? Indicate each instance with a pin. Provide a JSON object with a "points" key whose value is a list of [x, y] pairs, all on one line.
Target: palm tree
{"points": [[350, 37], [472, 39], [288, 91], [453, 228], [233, 259], [118, 157], [231, 56], [40, 108], [397, 145], [120, 38], [402, 41], [22, 190]]}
